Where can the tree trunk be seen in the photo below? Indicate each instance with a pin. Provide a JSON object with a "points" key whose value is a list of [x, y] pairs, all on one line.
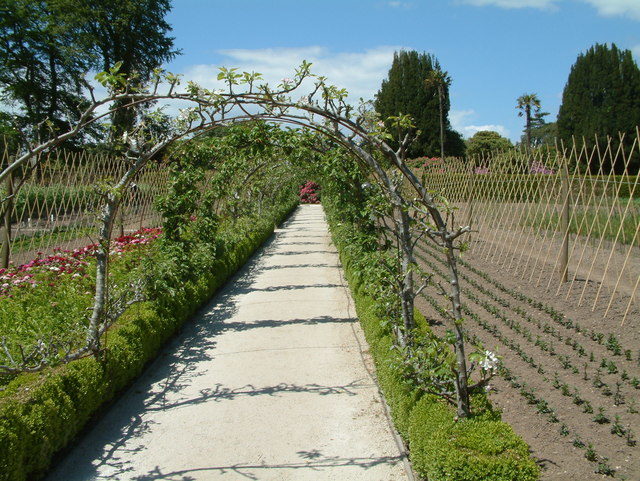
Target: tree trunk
{"points": [[108, 218], [528, 127], [441, 99], [407, 295], [462, 390], [102, 258], [5, 252]]}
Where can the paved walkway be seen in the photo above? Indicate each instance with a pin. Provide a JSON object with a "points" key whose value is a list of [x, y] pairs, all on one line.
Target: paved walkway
{"points": [[270, 382]]}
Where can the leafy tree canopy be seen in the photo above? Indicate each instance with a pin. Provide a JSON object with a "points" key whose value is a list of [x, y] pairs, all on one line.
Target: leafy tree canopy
{"points": [[406, 92], [47, 47], [543, 134], [487, 142]]}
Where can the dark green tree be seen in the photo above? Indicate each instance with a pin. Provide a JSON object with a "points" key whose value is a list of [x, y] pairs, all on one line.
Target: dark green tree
{"points": [[133, 32], [602, 98], [543, 134], [41, 68], [486, 142], [410, 89], [47, 47]]}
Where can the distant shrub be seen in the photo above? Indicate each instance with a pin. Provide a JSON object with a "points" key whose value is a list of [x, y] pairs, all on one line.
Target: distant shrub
{"points": [[310, 193]]}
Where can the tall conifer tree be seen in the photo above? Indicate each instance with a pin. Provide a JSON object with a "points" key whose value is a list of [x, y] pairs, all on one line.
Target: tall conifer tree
{"points": [[602, 98], [406, 92]]}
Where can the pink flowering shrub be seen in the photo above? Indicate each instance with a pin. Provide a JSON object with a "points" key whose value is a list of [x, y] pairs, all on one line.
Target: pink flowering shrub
{"points": [[310, 193], [481, 170], [47, 300], [539, 168], [52, 268]]}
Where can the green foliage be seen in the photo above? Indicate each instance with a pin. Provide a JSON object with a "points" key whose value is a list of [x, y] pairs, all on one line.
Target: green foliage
{"points": [[479, 448], [405, 92], [487, 142], [602, 98], [543, 135], [41, 413], [467, 450], [49, 45]]}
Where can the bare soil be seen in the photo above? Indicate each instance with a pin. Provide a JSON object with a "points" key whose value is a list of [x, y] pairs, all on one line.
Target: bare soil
{"points": [[561, 368]]}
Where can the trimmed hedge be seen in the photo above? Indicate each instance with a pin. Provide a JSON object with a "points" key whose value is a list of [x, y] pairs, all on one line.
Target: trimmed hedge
{"points": [[503, 187], [41, 413], [441, 448]]}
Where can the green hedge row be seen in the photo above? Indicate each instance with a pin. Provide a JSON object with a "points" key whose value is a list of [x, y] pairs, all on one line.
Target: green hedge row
{"points": [[525, 187], [441, 448], [41, 413]]}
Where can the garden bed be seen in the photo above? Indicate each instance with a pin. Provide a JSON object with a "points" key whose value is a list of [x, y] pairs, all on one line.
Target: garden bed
{"points": [[570, 383], [442, 447], [41, 413]]}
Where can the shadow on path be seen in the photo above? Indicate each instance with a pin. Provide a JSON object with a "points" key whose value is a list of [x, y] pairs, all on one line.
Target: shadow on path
{"points": [[312, 460]]}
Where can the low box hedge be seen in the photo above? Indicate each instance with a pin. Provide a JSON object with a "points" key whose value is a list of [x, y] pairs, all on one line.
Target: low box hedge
{"points": [[40, 414], [441, 447]]}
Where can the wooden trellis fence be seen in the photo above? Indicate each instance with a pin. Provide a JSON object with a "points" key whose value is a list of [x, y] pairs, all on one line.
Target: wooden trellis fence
{"points": [[54, 203], [562, 219]]}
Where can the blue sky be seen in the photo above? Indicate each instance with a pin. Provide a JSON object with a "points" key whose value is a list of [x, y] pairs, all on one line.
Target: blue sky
{"points": [[494, 50]]}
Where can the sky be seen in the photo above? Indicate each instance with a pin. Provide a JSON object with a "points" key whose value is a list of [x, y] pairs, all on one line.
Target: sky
{"points": [[494, 50]]}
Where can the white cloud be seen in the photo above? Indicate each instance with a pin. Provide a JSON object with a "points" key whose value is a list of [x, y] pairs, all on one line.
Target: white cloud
{"points": [[469, 130], [460, 121], [611, 8], [544, 4], [396, 4], [361, 73], [608, 8], [458, 117]]}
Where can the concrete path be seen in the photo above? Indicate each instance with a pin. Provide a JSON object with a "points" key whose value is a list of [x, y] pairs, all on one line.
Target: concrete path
{"points": [[271, 381]]}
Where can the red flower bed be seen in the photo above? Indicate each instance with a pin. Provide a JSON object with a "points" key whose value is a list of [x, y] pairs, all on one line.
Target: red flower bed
{"points": [[74, 262], [310, 193]]}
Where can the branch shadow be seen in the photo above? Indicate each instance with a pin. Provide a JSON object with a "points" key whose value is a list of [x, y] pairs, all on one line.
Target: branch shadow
{"points": [[288, 287], [312, 460], [220, 393], [297, 266], [160, 386]]}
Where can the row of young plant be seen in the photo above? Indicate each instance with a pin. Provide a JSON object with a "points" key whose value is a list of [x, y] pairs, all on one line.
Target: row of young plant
{"points": [[215, 216], [542, 406], [617, 396], [610, 342], [441, 445], [601, 364]]}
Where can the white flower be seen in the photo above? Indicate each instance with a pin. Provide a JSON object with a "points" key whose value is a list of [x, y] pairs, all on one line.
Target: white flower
{"points": [[286, 80], [490, 361], [304, 100], [54, 268]]}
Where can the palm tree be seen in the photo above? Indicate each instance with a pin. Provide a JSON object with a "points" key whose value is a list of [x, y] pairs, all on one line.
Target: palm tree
{"points": [[526, 104], [439, 79]]}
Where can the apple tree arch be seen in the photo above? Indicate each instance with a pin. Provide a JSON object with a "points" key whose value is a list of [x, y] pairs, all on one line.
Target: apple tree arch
{"points": [[325, 111]]}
